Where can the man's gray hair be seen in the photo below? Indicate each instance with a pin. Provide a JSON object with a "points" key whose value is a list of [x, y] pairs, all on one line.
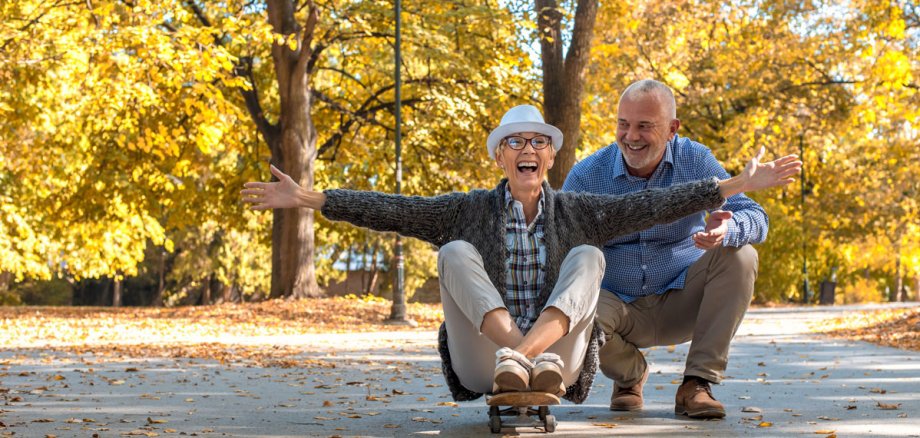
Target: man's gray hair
{"points": [[652, 86]]}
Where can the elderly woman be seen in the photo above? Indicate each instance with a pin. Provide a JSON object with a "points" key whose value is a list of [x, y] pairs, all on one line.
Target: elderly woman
{"points": [[519, 265]]}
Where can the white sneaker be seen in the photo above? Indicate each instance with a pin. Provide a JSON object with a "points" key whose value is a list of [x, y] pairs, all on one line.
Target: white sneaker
{"points": [[546, 375], [512, 371]]}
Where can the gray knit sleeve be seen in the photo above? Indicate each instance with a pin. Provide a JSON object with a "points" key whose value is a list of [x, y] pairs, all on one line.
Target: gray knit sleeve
{"points": [[618, 215], [425, 218]]}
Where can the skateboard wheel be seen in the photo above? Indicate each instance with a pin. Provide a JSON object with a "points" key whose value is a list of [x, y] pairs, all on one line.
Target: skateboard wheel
{"points": [[495, 423], [550, 424], [543, 411]]}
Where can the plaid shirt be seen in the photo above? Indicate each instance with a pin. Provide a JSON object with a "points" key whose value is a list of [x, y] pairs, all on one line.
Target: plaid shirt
{"points": [[524, 266], [656, 260]]}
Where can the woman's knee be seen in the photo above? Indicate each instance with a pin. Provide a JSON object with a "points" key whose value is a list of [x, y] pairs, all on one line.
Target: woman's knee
{"points": [[454, 251], [588, 255]]}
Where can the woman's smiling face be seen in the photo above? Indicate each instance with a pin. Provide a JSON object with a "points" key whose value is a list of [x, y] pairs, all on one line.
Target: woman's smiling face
{"points": [[525, 168]]}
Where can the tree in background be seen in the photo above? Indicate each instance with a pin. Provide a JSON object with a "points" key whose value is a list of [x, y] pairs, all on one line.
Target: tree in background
{"points": [[131, 125], [780, 74], [135, 123]]}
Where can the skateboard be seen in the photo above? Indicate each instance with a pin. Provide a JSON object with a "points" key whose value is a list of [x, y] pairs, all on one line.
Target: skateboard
{"points": [[522, 407]]}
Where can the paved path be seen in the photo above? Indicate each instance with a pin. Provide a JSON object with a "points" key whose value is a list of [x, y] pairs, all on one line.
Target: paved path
{"points": [[389, 384]]}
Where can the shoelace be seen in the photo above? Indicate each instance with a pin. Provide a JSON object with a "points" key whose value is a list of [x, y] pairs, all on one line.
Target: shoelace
{"points": [[704, 387]]}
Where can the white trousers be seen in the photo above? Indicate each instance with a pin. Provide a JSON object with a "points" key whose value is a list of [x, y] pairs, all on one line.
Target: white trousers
{"points": [[467, 295]]}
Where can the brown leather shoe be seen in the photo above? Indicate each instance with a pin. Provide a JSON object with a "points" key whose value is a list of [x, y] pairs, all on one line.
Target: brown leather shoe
{"points": [[694, 399], [628, 399]]}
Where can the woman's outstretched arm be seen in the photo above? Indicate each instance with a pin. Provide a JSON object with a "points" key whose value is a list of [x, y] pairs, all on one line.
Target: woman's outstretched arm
{"points": [[430, 219]]}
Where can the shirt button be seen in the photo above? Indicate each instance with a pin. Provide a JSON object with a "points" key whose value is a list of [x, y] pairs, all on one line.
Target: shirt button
{"points": [[643, 267], [644, 287], [525, 281]]}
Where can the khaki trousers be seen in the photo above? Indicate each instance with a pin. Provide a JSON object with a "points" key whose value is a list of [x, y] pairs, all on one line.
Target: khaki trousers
{"points": [[707, 311], [467, 295]]}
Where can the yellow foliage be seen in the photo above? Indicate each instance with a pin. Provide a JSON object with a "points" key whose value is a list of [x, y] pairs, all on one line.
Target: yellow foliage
{"points": [[860, 290]]}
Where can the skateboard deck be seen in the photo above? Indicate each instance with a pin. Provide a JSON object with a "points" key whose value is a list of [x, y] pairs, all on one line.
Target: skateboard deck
{"points": [[525, 409]]}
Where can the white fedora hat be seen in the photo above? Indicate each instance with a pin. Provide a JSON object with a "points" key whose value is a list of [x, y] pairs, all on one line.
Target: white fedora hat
{"points": [[522, 118]]}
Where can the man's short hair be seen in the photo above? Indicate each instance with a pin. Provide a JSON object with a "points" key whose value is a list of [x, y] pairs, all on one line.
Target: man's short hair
{"points": [[652, 86]]}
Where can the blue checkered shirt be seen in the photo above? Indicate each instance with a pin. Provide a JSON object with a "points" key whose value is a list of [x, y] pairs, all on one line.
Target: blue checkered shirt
{"points": [[524, 274], [656, 260]]}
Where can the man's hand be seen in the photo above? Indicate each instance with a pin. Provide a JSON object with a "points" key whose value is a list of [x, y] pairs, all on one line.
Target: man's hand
{"points": [[714, 233]]}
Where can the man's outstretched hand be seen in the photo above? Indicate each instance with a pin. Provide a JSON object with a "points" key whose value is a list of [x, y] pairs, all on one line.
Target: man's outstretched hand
{"points": [[779, 172]]}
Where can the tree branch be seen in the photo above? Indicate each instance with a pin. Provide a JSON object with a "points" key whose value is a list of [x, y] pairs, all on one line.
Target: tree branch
{"points": [[818, 84], [578, 54], [269, 131], [347, 75], [36, 19], [364, 114], [305, 59]]}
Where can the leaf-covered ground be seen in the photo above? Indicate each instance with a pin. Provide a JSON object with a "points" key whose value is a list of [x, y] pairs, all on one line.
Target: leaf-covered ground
{"points": [[330, 366], [899, 328], [263, 334], [267, 333]]}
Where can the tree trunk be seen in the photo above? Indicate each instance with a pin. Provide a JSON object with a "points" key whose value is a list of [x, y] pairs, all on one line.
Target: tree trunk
{"points": [[564, 78], [364, 270], [116, 292], [5, 280], [293, 147], [898, 280], [917, 287], [374, 269], [161, 281], [206, 291], [226, 294]]}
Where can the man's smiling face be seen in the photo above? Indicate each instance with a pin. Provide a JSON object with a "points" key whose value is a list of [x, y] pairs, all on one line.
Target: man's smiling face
{"points": [[643, 131]]}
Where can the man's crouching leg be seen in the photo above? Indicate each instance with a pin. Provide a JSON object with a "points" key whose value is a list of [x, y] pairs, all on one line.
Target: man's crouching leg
{"points": [[718, 292]]}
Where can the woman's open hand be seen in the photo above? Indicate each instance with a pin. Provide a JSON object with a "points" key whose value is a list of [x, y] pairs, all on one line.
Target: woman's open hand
{"points": [[284, 193]]}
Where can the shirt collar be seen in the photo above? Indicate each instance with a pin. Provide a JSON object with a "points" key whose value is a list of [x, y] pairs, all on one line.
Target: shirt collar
{"points": [[509, 200]]}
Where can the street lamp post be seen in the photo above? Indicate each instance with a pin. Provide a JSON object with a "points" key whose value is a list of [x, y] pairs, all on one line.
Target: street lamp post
{"points": [[803, 114], [806, 292], [398, 314]]}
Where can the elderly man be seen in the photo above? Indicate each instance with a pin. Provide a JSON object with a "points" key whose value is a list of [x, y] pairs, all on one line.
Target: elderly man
{"points": [[689, 280]]}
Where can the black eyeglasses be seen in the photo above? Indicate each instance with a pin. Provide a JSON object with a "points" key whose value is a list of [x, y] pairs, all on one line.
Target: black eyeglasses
{"points": [[518, 143]]}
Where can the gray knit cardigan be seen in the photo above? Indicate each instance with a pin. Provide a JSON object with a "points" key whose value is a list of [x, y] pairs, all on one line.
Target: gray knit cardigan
{"points": [[479, 217]]}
